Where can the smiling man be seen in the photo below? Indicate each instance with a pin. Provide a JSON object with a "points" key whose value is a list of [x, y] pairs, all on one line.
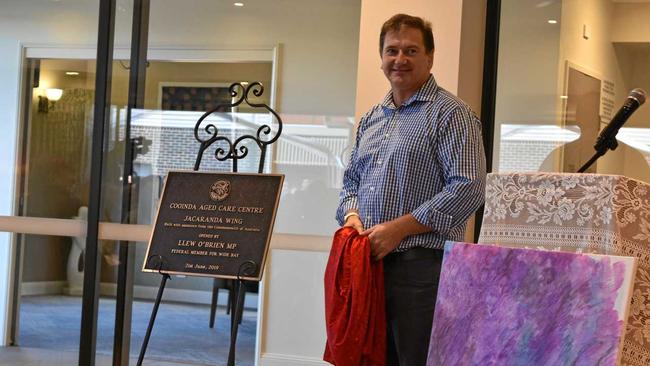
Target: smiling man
{"points": [[416, 174]]}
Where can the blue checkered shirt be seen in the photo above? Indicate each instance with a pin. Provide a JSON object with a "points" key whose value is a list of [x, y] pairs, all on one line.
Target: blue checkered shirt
{"points": [[425, 158]]}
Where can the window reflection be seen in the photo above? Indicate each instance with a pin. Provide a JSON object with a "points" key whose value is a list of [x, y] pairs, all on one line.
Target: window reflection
{"points": [[555, 94], [528, 148], [310, 152]]}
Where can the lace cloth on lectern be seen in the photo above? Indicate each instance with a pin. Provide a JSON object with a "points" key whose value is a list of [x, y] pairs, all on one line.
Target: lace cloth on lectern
{"points": [[589, 213]]}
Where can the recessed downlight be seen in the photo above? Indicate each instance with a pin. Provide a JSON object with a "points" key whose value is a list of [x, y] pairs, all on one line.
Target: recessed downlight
{"points": [[238, 4], [552, 21], [72, 73]]}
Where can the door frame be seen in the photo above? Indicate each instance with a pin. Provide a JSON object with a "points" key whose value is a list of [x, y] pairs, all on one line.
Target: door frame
{"points": [[14, 261]]}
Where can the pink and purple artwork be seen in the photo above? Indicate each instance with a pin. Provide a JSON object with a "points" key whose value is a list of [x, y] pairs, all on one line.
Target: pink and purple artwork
{"points": [[512, 306]]}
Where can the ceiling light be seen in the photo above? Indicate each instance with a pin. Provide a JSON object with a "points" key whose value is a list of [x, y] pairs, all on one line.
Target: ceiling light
{"points": [[72, 73], [552, 21], [53, 94], [238, 4]]}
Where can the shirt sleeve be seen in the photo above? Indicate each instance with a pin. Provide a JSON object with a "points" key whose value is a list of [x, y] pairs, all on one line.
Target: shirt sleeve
{"points": [[461, 157], [348, 196]]}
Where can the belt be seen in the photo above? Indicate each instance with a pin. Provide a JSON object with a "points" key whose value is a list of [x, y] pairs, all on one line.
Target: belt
{"points": [[416, 253]]}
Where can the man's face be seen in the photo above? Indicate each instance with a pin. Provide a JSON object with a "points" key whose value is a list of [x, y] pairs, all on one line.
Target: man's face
{"points": [[404, 60]]}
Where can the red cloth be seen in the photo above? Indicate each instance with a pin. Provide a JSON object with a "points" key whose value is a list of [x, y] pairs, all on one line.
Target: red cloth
{"points": [[355, 313]]}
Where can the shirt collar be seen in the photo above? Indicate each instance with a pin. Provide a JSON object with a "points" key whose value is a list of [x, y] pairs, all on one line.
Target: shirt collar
{"points": [[426, 93]]}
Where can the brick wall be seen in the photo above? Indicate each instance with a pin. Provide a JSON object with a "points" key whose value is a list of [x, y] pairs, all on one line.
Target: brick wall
{"points": [[175, 148], [524, 155]]}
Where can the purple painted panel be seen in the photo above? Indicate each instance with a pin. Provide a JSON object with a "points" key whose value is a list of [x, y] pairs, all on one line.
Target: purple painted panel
{"points": [[507, 306]]}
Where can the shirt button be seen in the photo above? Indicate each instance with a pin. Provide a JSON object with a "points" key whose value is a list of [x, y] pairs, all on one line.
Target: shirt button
{"points": [[386, 135], [379, 162], [372, 189]]}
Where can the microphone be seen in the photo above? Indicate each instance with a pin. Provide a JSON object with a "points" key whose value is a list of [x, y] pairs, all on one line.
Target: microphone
{"points": [[607, 138]]}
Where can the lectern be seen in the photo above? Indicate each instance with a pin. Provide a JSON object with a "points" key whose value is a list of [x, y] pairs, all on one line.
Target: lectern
{"points": [[590, 213]]}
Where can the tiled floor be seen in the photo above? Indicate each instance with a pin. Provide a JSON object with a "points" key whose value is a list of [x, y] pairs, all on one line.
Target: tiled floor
{"points": [[49, 334], [24, 356]]}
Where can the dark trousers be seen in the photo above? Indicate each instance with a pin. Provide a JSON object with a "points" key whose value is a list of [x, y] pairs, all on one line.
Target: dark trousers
{"points": [[411, 283]]}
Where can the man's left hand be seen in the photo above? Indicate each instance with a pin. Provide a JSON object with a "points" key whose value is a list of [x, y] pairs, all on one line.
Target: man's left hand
{"points": [[384, 238]]}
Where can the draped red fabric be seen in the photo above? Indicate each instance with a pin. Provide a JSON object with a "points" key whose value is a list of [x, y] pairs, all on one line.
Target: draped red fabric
{"points": [[355, 314]]}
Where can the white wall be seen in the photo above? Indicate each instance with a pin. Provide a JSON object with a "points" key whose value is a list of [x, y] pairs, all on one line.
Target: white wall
{"points": [[319, 43], [596, 53], [528, 57], [533, 56], [445, 16], [630, 22], [637, 75], [8, 142], [319, 38], [472, 48], [293, 316], [631, 36], [527, 68]]}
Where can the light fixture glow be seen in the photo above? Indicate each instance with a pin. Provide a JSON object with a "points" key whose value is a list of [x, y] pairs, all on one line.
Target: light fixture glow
{"points": [[238, 4], [53, 94], [552, 21], [564, 97], [72, 73]]}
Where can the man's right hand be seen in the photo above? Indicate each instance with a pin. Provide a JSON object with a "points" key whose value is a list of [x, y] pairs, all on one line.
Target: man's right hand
{"points": [[354, 222]]}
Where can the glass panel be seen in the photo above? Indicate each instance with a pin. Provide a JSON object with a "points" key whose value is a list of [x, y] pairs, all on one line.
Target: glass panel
{"points": [[555, 94], [308, 69], [57, 174], [565, 69], [56, 183]]}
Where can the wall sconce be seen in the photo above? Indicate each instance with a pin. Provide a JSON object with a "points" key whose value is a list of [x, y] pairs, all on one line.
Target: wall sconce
{"points": [[45, 103]]}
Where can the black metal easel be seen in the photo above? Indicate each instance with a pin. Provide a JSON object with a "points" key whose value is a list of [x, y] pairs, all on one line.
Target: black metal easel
{"points": [[234, 151], [154, 311]]}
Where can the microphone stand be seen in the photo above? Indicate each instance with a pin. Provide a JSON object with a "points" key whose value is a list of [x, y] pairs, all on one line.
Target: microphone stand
{"points": [[602, 145], [607, 138]]}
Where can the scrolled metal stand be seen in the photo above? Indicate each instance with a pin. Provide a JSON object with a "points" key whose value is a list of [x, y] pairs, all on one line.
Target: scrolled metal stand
{"points": [[235, 151], [247, 268], [156, 304]]}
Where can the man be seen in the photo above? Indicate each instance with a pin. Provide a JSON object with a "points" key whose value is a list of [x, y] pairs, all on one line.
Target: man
{"points": [[416, 173]]}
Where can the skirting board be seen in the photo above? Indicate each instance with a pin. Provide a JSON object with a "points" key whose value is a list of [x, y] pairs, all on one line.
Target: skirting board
{"points": [[139, 292], [178, 295], [276, 359], [42, 288]]}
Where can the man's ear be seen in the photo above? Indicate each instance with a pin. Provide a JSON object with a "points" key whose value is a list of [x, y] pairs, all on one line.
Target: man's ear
{"points": [[430, 60]]}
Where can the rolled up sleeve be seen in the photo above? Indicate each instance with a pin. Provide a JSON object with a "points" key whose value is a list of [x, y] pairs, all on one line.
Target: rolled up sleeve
{"points": [[461, 155], [351, 176]]}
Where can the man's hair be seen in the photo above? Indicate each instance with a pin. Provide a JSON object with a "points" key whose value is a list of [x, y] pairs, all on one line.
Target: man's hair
{"points": [[397, 21]]}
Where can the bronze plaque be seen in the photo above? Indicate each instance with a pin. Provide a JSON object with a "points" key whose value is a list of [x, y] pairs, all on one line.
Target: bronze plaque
{"points": [[214, 224]]}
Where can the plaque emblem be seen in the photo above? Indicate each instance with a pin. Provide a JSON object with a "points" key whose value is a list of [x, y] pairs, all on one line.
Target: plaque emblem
{"points": [[220, 190]]}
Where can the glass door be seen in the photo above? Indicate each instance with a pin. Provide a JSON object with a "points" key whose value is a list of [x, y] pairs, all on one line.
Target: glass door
{"points": [[54, 189], [199, 50]]}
